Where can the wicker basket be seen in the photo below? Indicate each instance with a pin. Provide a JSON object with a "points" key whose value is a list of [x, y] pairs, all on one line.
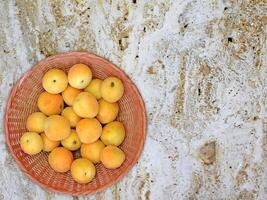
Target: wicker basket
{"points": [[23, 101]]}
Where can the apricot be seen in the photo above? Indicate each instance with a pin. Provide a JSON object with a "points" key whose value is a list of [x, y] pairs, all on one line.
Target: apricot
{"points": [[89, 130], [112, 89], [57, 127], [107, 111], [94, 88], [72, 142], [79, 76], [70, 115], [92, 151], [69, 95], [112, 157], [49, 145], [31, 143], [60, 159], [55, 81], [85, 105], [35, 122], [82, 170], [50, 104], [113, 133]]}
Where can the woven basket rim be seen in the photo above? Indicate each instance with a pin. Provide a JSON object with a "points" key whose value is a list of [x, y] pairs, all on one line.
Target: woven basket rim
{"points": [[17, 86]]}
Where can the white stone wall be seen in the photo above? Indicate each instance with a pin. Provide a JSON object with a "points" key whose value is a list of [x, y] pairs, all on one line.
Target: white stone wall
{"points": [[200, 67]]}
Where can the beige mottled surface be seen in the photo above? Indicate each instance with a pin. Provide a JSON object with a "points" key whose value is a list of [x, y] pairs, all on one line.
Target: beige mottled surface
{"points": [[200, 67]]}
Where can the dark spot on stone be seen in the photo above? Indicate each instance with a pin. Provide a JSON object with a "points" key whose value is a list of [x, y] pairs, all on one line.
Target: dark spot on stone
{"points": [[151, 70], [119, 41], [112, 84], [134, 1], [207, 153], [144, 29], [173, 88], [230, 39], [225, 8], [185, 26], [88, 8], [255, 118], [230, 167], [136, 56], [199, 91]]}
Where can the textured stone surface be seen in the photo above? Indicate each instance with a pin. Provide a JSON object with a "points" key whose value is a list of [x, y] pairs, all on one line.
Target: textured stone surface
{"points": [[200, 67]]}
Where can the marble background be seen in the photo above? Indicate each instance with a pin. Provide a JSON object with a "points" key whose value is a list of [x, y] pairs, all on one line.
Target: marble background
{"points": [[200, 66]]}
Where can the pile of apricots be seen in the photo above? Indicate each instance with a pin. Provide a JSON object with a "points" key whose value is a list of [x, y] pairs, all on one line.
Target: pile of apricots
{"points": [[77, 113]]}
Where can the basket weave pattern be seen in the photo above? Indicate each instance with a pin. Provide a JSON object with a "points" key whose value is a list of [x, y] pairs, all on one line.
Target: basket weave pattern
{"points": [[23, 101]]}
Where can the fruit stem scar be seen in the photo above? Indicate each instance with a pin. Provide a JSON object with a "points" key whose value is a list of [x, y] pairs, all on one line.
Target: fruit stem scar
{"points": [[54, 81], [112, 84], [74, 142]]}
